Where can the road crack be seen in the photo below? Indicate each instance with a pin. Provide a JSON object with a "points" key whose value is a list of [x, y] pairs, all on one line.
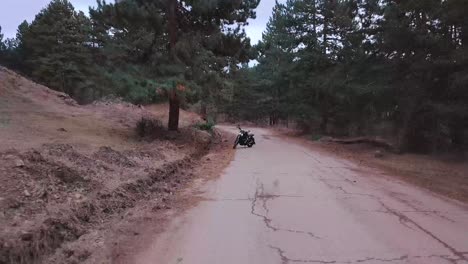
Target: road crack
{"points": [[228, 199], [381, 259], [419, 210], [264, 198], [404, 257], [460, 255], [416, 209], [312, 156], [404, 220], [287, 260]]}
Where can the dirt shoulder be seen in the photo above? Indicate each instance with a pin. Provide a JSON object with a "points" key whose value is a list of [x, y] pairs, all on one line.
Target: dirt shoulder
{"points": [[154, 201], [139, 231], [74, 177], [442, 176], [62, 206]]}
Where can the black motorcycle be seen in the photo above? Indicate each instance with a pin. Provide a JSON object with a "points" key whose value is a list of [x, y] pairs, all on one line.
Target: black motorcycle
{"points": [[244, 138]]}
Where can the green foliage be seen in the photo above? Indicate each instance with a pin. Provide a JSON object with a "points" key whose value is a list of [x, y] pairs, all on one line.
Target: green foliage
{"points": [[55, 50], [316, 137], [2, 45], [344, 65], [206, 126], [132, 85], [126, 49], [10, 51], [183, 45], [203, 47]]}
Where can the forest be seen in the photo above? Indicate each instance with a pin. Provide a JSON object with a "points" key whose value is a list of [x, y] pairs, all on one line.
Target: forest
{"points": [[397, 69]]}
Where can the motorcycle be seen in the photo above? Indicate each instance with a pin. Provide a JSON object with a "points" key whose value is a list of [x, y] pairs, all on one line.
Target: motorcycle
{"points": [[244, 138]]}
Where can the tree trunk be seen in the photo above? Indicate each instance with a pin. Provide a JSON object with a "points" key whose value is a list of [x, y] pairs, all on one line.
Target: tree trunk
{"points": [[172, 26], [325, 31], [324, 123], [174, 100], [464, 34], [275, 118], [406, 132], [203, 111], [174, 108], [314, 22]]}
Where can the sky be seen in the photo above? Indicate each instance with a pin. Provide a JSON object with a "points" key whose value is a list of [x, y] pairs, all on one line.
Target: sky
{"points": [[13, 12]]}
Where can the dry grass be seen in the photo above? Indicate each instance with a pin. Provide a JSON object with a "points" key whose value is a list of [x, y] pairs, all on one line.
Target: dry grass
{"points": [[445, 177], [69, 170]]}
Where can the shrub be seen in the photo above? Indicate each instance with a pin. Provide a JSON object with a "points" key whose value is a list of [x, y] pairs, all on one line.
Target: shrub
{"points": [[149, 128], [207, 126], [316, 137]]}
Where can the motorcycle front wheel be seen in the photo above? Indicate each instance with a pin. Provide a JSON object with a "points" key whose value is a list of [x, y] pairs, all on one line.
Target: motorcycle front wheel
{"points": [[236, 143]]}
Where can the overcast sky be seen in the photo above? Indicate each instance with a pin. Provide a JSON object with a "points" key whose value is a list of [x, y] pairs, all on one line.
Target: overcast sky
{"points": [[13, 12]]}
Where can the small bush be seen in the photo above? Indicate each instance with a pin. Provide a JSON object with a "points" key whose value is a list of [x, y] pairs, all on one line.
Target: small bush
{"points": [[207, 126], [149, 128], [316, 137]]}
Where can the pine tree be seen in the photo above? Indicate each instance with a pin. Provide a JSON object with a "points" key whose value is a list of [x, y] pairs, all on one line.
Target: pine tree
{"points": [[276, 56], [4, 50], [2, 45], [204, 22], [187, 37], [57, 51]]}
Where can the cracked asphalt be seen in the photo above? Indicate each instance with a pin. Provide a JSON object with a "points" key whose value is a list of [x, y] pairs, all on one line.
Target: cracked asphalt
{"points": [[282, 203]]}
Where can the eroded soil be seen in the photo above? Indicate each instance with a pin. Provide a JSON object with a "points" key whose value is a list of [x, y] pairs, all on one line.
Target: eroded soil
{"points": [[75, 178]]}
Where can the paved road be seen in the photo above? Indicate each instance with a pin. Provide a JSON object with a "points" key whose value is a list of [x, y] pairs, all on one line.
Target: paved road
{"points": [[283, 203]]}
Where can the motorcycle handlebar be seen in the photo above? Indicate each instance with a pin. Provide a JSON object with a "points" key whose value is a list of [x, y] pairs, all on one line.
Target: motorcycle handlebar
{"points": [[248, 131]]}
